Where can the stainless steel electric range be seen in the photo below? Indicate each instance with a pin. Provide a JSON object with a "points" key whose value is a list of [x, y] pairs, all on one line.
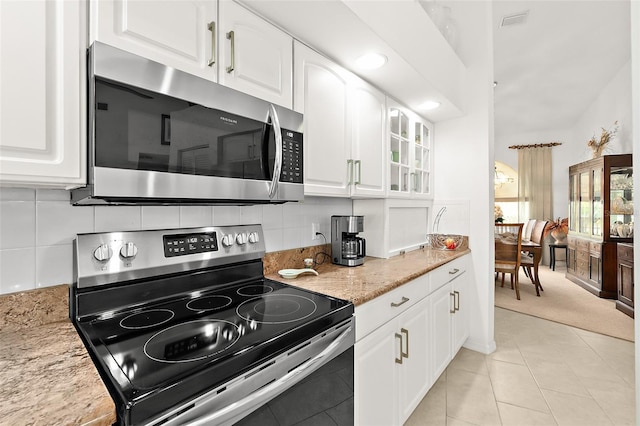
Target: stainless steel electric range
{"points": [[184, 329]]}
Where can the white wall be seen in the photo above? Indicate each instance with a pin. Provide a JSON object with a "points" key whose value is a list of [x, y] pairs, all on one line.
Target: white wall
{"points": [[463, 171], [37, 228], [613, 103]]}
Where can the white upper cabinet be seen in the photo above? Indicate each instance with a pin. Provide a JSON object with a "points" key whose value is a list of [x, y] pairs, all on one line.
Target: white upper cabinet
{"points": [[42, 93], [410, 154], [255, 57], [368, 141], [181, 34], [344, 128], [237, 48]]}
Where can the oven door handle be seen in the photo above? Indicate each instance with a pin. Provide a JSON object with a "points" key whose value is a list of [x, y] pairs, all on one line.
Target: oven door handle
{"points": [[234, 412], [277, 167]]}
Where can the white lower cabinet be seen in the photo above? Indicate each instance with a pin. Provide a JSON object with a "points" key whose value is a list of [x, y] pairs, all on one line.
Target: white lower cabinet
{"points": [[392, 373], [404, 340], [449, 315]]}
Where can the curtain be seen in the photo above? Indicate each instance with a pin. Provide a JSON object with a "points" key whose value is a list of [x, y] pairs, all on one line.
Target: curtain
{"points": [[535, 195]]}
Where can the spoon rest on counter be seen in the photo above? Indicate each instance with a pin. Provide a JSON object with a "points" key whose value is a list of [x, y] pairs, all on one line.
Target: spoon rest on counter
{"points": [[293, 273]]}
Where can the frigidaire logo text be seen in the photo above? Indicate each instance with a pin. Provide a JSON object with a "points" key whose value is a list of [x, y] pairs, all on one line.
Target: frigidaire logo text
{"points": [[229, 120]]}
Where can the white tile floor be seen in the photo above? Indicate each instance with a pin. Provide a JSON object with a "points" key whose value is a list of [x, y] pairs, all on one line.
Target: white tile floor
{"points": [[542, 373]]}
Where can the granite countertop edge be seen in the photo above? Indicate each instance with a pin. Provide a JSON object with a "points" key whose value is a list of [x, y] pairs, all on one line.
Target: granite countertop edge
{"points": [[360, 284]]}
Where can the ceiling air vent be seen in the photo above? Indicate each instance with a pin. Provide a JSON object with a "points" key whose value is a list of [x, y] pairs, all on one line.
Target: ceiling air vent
{"points": [[515, 19]]}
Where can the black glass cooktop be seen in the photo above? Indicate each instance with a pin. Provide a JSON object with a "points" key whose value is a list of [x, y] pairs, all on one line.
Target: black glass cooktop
{"points": [[157, 344]]}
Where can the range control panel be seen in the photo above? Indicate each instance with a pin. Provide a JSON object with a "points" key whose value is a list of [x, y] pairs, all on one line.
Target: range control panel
{"points": [[183, 244], [111, 257]]}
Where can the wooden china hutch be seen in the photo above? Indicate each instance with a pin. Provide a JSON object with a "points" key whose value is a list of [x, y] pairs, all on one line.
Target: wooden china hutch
{"points": [[600, 217]]}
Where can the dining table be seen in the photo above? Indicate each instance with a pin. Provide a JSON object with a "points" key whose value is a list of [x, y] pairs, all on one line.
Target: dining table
{"points": [[536, 250]]}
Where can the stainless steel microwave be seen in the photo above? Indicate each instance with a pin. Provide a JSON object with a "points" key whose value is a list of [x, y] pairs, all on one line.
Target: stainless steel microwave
{"points": [[158, 135]]}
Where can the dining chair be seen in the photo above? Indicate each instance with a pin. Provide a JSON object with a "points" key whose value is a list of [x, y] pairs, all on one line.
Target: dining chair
{"points": [[527, 260], [528, 229], [508, 244]]}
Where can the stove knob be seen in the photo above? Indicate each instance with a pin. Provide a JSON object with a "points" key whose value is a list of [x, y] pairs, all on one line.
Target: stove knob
{"points": [[254, 238], [128, 251], [103, 253], [227, 240], [241, 239]]}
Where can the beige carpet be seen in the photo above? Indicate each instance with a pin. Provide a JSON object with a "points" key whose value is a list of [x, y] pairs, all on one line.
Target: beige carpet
{"points": [[565, 302]]}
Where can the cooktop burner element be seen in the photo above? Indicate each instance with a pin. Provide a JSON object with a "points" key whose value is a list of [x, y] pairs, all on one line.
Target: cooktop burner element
{"points": [[191, 341], [146, 319], [209, 303], [277, 308], [254, 290]]}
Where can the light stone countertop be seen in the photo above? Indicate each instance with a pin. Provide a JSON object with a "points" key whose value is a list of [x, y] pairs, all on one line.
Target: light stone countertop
{"points": [[360, 284], [47, 376]]}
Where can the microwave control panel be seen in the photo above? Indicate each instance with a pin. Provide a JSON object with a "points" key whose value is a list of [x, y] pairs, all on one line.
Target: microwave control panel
{"points": [[291, 157]]}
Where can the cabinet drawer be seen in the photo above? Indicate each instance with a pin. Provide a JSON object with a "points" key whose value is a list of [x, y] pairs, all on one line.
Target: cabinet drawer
{"points": [[595, 248], [625, 253], [372, 314], [447, 272], [582, 245], [582, 256]]}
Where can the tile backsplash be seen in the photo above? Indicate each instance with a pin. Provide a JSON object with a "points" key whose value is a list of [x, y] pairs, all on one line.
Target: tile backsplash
{"points": [[37, 228]]}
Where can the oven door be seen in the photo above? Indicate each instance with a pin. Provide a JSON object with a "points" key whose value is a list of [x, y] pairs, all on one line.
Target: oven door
{"points": [[158, 135], [315, 379]]}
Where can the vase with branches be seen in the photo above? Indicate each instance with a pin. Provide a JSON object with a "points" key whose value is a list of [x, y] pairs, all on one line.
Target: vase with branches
{"points": [[598, 145]]}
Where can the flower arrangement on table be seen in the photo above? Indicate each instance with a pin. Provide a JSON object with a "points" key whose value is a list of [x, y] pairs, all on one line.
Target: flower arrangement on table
{"points": [[497, 214], [558, 229], [599, 145]]}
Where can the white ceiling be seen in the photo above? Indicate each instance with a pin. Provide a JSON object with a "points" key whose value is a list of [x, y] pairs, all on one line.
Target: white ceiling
{"points": [[552, 67], [548, 69]]}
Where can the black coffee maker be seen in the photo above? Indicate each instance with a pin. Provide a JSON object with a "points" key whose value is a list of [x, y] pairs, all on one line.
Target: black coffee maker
{"points": [[346, 247]]}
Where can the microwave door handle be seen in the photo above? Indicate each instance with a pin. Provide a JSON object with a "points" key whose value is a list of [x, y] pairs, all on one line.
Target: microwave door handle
{"points": [[277, 168]]}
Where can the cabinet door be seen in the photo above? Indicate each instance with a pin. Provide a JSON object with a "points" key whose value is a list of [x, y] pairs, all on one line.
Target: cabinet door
{"points": [[178, 33], [442, 304], [322, 96], [368, 149], [42, 93], [376, 381], [415, 377], [421, 177], [461, 315], [255, 57]]}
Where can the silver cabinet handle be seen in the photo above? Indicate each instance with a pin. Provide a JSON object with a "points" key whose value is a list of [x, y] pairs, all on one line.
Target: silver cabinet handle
{"points": [[350, 171], [456, 306], [399, 337], [212, 28], [406, 333], [454, 271], [277, 167], [231, 36], [453, 309], [402, 302], [358, 163]]}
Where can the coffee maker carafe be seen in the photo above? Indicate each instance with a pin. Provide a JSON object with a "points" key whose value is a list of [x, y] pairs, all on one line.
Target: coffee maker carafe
{"points": [[346, 247]]}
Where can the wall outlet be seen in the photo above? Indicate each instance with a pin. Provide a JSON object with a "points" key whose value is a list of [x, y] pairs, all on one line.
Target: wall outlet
{"points": [[315, 228]]}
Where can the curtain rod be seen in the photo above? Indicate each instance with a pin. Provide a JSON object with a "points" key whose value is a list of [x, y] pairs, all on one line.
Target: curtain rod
{"points": [[536, 145]]}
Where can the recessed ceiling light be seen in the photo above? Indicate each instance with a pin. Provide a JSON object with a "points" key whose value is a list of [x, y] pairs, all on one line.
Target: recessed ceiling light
{"points": [[428, 105], [371, 61]]}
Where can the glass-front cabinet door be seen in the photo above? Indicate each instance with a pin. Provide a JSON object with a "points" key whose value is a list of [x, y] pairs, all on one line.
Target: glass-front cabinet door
{"points": [[421, 155], [410, 153], [601, 198], [399, 155], [621, 202]]}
